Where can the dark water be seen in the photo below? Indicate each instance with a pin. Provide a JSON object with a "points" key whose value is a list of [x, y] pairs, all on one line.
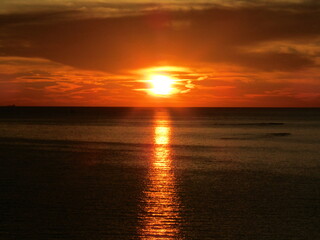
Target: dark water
{"points": [[134, 173]]}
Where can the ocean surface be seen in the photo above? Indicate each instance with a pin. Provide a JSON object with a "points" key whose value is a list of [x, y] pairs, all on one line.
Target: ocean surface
{"points": [[171, 173]]}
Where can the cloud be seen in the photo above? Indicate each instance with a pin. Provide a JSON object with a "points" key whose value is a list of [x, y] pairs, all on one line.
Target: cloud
{"points": [[34, 81], [151, 38], [242, 54]]}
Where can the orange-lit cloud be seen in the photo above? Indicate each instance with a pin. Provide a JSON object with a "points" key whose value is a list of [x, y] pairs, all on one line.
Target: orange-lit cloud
{"points": [[223, 53]]}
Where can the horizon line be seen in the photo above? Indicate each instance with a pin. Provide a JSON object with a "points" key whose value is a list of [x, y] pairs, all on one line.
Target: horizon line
{"points": [[41, 106]]}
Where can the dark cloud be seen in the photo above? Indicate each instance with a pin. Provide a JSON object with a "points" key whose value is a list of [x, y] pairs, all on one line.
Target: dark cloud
{"points": [[265, 61], [164, 37]]}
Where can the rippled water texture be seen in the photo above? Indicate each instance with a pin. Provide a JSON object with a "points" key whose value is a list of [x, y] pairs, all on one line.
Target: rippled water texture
{"points": [[161, 207], [130, 173]]}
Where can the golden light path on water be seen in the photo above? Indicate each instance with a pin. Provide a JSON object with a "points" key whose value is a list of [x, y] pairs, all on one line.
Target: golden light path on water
{"points": [[160, 218]]}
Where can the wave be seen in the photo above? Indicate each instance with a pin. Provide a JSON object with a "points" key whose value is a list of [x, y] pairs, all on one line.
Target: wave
{"points": [[194, 123], [74, 145], [258, 136]]}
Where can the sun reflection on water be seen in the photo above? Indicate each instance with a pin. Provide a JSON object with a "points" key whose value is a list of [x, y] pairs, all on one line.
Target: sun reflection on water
{"points": [[160, 218]]}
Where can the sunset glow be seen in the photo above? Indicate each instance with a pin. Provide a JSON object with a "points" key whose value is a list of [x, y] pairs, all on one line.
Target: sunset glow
{"points": [[159, 119], [171, 54], [160, 206], [161, 85]]}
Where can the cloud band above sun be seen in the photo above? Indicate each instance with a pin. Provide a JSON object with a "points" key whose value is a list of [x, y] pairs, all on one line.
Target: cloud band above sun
{"points": [[230, 53]]}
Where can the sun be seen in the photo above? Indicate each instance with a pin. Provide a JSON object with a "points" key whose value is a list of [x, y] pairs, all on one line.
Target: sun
{"points": [[161, 84]]}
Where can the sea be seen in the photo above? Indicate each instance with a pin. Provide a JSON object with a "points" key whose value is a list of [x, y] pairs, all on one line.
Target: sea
{"points": [[88, 173]]}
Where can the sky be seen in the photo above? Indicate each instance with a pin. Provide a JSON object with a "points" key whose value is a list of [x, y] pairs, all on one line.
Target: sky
{"points": [[101, 53]]}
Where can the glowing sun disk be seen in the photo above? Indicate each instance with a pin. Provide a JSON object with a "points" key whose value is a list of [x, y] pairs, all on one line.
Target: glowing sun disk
{"points": [[161, 84]]}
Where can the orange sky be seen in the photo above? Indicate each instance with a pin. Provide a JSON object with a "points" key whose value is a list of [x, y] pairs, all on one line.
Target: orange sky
{"points": [[97, 53]]}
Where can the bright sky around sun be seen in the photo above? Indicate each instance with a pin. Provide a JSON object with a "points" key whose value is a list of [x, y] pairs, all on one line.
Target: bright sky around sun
{"points": [[169, 53]]}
